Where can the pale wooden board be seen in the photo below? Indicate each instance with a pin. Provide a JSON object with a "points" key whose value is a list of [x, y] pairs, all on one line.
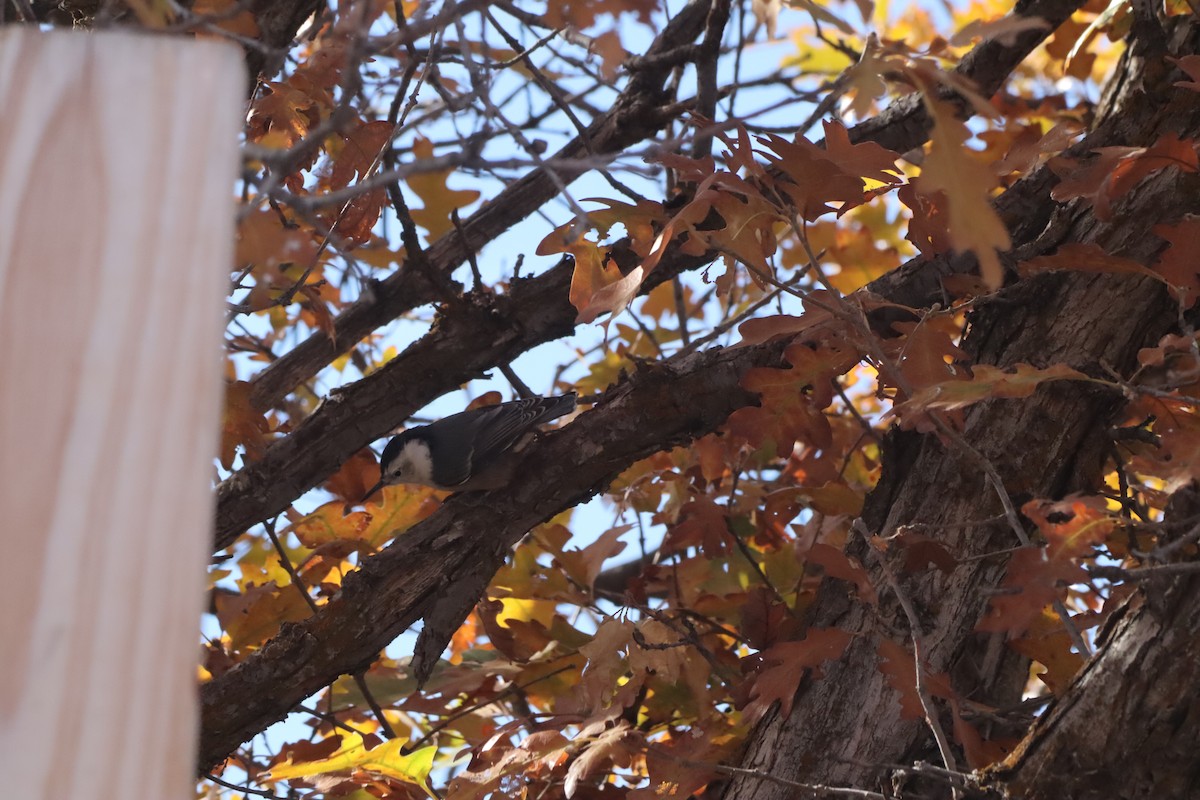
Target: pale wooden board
{"points": [[118, 157]]}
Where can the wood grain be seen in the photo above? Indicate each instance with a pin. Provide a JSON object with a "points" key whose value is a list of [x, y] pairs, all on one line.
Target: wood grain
{"points": [[119, 156]]}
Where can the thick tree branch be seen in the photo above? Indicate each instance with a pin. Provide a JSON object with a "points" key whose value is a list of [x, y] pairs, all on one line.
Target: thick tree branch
{"points": [[470, 537], [535, 312]]}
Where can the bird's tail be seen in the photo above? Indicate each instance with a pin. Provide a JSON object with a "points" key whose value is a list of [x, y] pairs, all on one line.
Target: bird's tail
{"points": [[555, 407]]}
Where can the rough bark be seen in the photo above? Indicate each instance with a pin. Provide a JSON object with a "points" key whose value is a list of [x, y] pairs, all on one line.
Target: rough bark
{"points": [[1045, 446]]}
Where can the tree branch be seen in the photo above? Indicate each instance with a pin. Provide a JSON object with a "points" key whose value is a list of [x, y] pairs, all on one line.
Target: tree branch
{"points": [[536, 313]]}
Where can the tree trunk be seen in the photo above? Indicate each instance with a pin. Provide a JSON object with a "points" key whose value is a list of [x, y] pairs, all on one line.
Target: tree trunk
{"points": [[847, 727]]}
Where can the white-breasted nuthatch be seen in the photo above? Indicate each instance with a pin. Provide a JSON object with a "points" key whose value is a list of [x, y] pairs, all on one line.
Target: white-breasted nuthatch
{"points": [[465, 452]]}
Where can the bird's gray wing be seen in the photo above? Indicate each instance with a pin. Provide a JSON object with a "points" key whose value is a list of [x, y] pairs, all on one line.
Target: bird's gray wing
{"points": [[497, 428], [478, 436]]}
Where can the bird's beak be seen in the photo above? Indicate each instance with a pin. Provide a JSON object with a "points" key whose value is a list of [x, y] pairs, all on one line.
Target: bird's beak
{"points": [[374, 489]]}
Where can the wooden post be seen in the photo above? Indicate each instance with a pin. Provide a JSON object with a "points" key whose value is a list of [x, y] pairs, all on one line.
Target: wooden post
{"points": [[118, 161]]}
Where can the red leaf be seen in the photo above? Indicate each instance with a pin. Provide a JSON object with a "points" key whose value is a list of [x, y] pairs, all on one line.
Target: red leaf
{"points": [[1034, 580], [838, 565], [787, 663], [1190, 65], [1178, 264], [1116, 170], [1083, 258]]}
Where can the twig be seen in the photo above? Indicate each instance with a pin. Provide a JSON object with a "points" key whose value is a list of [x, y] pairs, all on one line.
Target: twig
{"points": [[360, 681], [814, 789], [467, 248], [462, 712], [742, 546], [286, 563], [245, 789], [681, 311], [914, 629], [1144, 573], [1161, 553], [522, 388]]}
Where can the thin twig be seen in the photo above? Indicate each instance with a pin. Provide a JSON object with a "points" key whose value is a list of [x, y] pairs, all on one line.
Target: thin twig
{"points": [[522, 388], [286, 563], [1144, 573], [815, 789], [914, 630], [360, 681], [245, 789], [467, 248]]}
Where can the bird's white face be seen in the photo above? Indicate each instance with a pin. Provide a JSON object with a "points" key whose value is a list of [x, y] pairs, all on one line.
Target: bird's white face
{"points": [[413, 464]]}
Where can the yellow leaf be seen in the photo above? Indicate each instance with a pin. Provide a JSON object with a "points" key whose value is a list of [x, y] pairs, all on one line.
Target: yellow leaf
{"points": [[520, 610], [352, 755], [439, 199]]}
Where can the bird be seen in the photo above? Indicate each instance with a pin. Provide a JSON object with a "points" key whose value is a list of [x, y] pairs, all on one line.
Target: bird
{"points": [[465, 452]]}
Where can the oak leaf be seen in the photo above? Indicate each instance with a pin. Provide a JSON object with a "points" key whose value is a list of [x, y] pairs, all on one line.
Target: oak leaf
{"points": [[438, 198], [786, 664], [1178, 265], [1113, 171], [972, 222], [1034, 580], [386, 759]]}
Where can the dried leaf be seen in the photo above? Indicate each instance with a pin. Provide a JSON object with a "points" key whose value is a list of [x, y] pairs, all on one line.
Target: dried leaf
{"points": [[787, 663], [972, 222]]}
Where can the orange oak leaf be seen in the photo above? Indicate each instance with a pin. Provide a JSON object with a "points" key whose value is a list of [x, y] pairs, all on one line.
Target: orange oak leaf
{"points": [[1081, 257], [227, 15], [584, 565], [1035, 579], [1071, 526], [702, 523], [1049, 644], [867, 160], [786, 664], [927, 353], [358, 151], [1178, 265], [762, 329], [928, 229], [898, 667], [284, 112], [972, 222], [793, 400], [1113, 171], [606, 750], [1019, 380], [265, 240], [837, 564], [816, 183], [252, 617], [242, 425]]}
